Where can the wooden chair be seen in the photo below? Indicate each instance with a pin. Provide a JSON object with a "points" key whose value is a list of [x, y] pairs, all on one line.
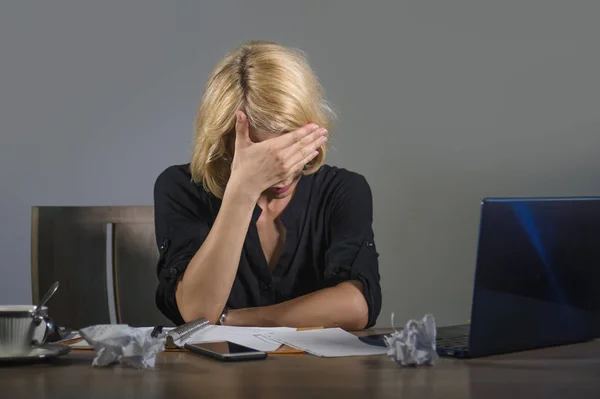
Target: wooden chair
{"points": [[105, 260]]}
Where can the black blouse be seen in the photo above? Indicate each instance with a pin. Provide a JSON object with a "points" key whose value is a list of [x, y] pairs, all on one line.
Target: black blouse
{"points": [[329, 239]]}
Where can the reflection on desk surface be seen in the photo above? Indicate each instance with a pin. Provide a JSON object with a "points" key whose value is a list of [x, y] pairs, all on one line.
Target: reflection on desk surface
{"points": [[565, 371]]}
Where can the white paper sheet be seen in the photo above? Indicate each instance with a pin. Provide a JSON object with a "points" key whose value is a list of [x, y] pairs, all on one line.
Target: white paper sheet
{"points": [[328, 342], [81, 345], [253, 337], [257, 338], [72, 335]]}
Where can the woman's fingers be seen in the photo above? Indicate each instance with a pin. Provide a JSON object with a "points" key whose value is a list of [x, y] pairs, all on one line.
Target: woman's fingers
{"points": [[242, 132], [299, 165], [304, 149], [289, 139], [316, 138], [290, 152]]}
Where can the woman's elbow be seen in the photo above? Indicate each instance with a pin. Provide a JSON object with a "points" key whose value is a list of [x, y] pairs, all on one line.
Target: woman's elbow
{"points": [[191, 313], [360, 314], [358, 310], [190, 310]]}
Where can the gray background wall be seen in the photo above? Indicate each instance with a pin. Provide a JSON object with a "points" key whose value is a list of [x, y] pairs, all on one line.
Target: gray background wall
{"points": [[440, 103]]}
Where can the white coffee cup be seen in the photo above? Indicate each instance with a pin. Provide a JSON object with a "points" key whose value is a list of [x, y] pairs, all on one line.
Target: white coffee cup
{"points": [[20, 325]]}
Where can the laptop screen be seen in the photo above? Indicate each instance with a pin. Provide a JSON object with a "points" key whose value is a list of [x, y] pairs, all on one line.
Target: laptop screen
{"points": [[537, 279]]}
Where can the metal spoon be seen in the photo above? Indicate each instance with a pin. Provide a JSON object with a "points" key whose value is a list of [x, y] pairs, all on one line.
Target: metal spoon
{"points": [[47, 296]]}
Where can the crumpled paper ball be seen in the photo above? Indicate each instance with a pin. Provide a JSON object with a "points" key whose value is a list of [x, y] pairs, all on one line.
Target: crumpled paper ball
{"points": [[415, 344], [123, 344]]}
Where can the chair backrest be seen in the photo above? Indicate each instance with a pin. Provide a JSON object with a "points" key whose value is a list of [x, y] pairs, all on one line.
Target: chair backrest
{"points": [[105, 260]]}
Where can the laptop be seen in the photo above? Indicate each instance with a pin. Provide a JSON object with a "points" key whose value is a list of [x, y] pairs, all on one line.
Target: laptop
{"points": [[537, 278]]}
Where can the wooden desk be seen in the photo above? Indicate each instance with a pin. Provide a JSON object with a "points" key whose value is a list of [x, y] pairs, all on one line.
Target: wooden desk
{"points": [[561, 372]]}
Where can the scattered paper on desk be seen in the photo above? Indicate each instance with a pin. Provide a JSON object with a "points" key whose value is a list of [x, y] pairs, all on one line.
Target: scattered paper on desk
{"points": [[415, 344], [123, 344], [72, 335], [328, 342], [257, 338], [269, 341], [83, 344]]}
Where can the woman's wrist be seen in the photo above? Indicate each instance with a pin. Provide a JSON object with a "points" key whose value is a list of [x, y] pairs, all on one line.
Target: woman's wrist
{"points": [[251, 317], [241, 192]]}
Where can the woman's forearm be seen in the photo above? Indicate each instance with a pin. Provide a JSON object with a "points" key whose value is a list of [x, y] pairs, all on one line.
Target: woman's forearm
{"points": [[341, 306], [206, 284]]}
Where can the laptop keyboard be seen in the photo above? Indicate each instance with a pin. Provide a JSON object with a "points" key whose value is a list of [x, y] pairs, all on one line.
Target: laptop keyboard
{"points": [[453, 337], [456, 343]]}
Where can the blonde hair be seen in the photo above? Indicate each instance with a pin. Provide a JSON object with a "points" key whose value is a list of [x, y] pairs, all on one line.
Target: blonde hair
{"points": [[278, 91]]}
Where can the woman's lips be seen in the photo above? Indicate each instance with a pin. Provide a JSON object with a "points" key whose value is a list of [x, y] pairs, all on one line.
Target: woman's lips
{"points": [[281, 190]]}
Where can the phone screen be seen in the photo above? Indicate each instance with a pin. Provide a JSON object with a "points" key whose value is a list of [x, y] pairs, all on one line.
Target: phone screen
{"points": [[225, 348], [226, 351]]}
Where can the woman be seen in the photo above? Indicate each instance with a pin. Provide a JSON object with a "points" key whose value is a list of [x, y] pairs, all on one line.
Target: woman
{"points": [[256, 231]]}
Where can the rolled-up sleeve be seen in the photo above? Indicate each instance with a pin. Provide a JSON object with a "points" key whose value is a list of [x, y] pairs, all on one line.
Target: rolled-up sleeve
{"points": [[180, 228], [352, 254]]}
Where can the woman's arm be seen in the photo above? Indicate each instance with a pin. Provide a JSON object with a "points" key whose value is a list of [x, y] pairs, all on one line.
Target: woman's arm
{"points": [[205, 286], [341, 306]]}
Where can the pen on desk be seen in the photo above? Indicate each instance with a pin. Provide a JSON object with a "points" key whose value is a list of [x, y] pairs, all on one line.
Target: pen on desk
{"points": [[156, 331]]}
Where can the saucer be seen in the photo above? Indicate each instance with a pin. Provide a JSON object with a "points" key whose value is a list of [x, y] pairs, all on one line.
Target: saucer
{"points": [[42, 352]]}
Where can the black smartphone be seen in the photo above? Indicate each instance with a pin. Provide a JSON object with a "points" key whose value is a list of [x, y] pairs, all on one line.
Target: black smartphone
{"points": [[376, 340], [226, 351]]}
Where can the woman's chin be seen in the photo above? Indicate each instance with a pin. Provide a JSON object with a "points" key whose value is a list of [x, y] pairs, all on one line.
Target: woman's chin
{"points": [[281, 190]]}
